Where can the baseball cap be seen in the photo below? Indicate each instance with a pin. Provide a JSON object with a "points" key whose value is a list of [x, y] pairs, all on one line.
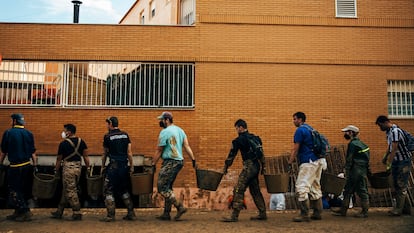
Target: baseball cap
{"points": [[19, 118], [351, 128], [165, 115]]}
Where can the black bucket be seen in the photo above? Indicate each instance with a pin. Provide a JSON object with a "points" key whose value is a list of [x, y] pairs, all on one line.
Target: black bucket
{"points": [[278, 183], [380, 180], [94, 185], [208, 180], [44, 185], [331, 183], [142, 183]]}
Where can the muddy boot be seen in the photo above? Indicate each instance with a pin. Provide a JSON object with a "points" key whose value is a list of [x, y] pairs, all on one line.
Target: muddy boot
{"points": [[344, 207], [13, 216], [317, 209], [364, 211], [167, 209], [233, 218], [400, 202], [76, 217], [110, 207], [24, 217], [262, 216], [130, 207], [407, 206], [304, 212], [57, 214], [180, 211]]}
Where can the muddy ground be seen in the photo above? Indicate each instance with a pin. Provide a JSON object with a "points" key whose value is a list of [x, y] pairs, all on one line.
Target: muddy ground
{"points": [[196, 220]]}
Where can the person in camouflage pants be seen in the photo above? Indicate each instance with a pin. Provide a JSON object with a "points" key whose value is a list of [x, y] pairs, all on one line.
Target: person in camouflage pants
{"points": [[70, 153], [249, 176], [356, 172]]}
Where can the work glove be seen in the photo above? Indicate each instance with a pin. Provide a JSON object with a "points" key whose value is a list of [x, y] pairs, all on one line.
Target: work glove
{"points": [[263, 171], [289, 168], [153, 169], [324, 164], [225, 170], [194, 164], [36, 169]]}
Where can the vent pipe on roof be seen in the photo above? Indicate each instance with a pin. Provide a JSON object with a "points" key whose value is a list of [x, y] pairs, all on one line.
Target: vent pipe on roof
{"points": [[76, 5]]}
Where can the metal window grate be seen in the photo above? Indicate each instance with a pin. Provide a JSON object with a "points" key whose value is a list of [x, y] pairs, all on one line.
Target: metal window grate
{"points": [[400, 98], [346, 8], [97, 84]]}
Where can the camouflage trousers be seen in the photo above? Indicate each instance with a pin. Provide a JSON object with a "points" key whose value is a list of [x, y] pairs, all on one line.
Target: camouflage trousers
{"points": [[166, 177], [400, 173], [70, 178], [308, 184], [248, 177]]}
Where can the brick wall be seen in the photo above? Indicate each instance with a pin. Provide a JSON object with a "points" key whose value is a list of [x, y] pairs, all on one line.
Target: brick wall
{"points": [[278, 58]]}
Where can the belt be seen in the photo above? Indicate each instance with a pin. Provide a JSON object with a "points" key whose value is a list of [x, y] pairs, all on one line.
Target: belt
{"points": [[20, 164]]}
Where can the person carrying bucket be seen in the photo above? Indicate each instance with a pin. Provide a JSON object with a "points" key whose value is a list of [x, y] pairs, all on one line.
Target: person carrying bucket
{"points": [[18, 145], [70, 153], [171, 141], [117, 146], [356, 172], [249, 176]]}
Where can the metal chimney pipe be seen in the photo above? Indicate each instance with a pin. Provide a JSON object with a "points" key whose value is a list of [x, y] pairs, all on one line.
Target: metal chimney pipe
{"points": [[76, 5]]}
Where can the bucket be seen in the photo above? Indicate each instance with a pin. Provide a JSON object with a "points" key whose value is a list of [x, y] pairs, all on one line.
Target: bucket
{"points": [[94, 185], [208, 180], [44, 185], [278, 183], [380, 180], [141, 183], [331, 183]]}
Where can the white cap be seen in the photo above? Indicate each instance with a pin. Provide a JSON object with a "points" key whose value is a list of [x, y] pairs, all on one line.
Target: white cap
{"points": [[351, 128]]}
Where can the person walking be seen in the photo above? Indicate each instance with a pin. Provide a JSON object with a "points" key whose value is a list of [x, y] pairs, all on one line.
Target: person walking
{"points": [[249, 176], [70, 153], [172, 139], [356, 172], [19, 147], [117, 147], [308, 188], [398, 159]]}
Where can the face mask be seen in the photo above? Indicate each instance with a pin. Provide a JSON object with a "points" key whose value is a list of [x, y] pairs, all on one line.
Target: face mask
{"points": [[63, 134], [162, 124], [347, 137]]}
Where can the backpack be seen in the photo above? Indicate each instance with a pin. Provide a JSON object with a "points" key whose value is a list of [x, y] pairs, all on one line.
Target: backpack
{"points": [[320, 145], [256, 149], [409, 140]]}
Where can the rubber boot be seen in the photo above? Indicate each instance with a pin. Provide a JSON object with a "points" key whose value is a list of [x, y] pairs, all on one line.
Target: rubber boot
{"points": [[262, 216], [13, 216], [317, 209], [304, 212], [24, 217], [407, 206], [110, 208], [400, 202], [167, 209], [130, 207], [58, 213], [180, 210], [234, 216], [344, 206], [364, 211]]}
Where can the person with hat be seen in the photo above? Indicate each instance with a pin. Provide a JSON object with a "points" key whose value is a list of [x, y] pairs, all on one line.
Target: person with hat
{"points": [[356, 171], [171, 141], [19, 147], [117, 147]]}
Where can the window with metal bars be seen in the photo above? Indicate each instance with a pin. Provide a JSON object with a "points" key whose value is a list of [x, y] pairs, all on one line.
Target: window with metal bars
{"points": [[346, 8], [96, 84], [400, 98]]}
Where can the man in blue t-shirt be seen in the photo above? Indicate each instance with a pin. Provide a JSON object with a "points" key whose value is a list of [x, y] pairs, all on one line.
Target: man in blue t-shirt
{"points": [[171, 141], [308, 188]]}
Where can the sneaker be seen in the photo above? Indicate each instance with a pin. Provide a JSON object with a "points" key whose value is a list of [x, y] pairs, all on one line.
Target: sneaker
{"points": [[180, 212], [259, 217], [25, 217], [107, 219], [77, 217], [164, 217], [56, 215], [231, 219]]}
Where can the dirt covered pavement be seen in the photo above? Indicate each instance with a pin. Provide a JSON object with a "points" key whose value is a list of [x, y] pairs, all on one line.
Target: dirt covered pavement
{"points": [[196, 220]]}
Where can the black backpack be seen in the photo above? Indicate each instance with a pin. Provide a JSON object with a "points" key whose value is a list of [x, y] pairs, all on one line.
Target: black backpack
{"points": [[256, 149]]}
